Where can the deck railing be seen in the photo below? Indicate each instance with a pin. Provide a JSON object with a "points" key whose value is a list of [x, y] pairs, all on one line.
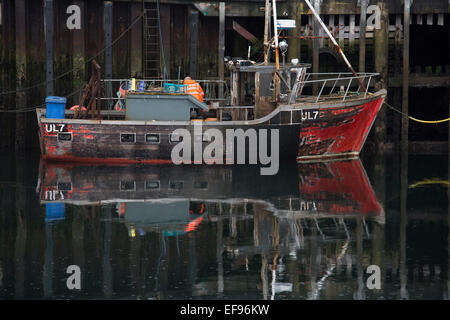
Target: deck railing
{"points": [[326, 85]]}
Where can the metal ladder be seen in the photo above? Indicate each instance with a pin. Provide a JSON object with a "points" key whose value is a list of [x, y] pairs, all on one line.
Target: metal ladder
{"points": [[152, 50]]}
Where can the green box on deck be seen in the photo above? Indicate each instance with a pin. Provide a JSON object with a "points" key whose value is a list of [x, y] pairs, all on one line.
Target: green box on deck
{"points": [[161, 106]]}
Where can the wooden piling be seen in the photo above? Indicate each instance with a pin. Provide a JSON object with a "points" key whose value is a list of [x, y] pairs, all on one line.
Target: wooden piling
{"points": [[47, 276], [167, 35], [381, 66], [221, 47], [378, 231], [193, 43], [106, 259], [78, 56], [403, 219], [351, 37], [362, 36], [108, 13], [397, 70], [136, 40], [405, 84], [49, 46], [21, 74], [295, 44]]}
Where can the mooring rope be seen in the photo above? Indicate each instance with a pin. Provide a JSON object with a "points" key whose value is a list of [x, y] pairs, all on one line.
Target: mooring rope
{"points": [[432, 181], [412, 118], [31, 109], [76, 68]]}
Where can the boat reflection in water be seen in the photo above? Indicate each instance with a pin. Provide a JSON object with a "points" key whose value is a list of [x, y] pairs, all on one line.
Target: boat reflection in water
{"points": [[207, 221]]}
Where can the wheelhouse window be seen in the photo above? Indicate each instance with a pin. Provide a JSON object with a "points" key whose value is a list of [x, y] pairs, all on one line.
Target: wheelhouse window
{"points": [[152, 184], [64, 186], [128, 137], [200, 185], [64, 136], [127, 185], [176, 185], [152, 138]]}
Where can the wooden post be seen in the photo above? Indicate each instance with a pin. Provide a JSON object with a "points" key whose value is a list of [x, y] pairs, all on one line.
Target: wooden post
{"points": [[108, 15], [78, 57], [332, 29], [20, 245], [220, 279], [362, 36], [448, 199], [106, 261], [381, 65], [359, 259], [221, 47], [405, 85], [49, 46], [235, 93], [403, 219], [193, 45], [397, 70], [341, 31], [316, 28], [78, 238], [136, 42], [21, 74], [47, 274], [295, 44], [167, 34], [352, 33], [378, 231]]}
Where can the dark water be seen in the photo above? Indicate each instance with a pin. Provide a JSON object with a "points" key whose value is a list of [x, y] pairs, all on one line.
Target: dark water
{"points": [[200, 232]]}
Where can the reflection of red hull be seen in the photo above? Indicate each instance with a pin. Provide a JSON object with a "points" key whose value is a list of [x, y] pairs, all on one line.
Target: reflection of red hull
{"points": [[337, 130], [339, 187]]}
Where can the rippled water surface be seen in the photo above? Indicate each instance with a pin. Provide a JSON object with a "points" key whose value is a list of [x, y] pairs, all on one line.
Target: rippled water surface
{"points": [[209, 232]]}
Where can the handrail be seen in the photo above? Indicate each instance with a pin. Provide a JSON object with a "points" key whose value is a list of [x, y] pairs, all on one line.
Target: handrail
{"points": [[335, 78]]}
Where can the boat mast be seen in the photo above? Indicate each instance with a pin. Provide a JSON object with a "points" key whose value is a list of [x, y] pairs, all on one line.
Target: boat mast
{"points": [[334, 42], [277, 58], [266, 33]]}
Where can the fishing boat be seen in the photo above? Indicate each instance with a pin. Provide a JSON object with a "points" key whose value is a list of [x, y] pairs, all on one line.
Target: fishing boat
{"points": [[314, 116]]}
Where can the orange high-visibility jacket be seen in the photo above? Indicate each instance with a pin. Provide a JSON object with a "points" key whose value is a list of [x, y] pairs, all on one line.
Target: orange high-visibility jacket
{"points": [[194, 89]]}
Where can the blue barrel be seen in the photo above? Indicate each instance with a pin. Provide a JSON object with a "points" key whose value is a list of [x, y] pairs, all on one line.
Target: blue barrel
{"points": [[55, 107]]}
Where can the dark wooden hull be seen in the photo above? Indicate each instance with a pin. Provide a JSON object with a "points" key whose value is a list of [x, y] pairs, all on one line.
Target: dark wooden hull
{"points": [[98, 141]]}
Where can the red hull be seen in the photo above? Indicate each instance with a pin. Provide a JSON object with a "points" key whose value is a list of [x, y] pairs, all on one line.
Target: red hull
{"points": [[338, 188], [333, 131]]}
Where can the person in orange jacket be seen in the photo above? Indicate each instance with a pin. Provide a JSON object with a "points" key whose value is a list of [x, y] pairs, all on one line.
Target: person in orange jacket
{"points": [[194, 89]]}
